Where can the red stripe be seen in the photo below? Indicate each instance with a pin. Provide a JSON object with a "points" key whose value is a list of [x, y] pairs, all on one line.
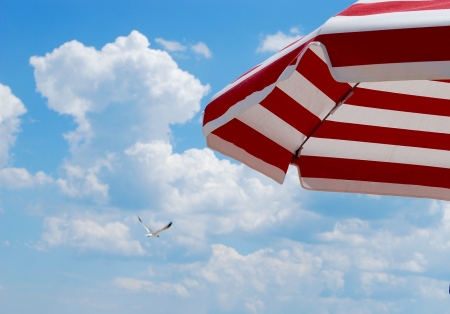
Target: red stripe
{"points": [[317, 72], [387, 46], [372, 171], [381, 135], [399, 102], [394, 6], [293, 113], [256, 66], [291, 43], [254, 143], [254, 83]]}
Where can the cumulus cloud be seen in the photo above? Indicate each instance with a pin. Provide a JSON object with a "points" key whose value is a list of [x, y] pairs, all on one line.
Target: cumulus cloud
{"points": [[201, 49], [124, 93], [212, 195], [141, 90], [279, 40], [170, 45], [11, 108], [89, 235]]}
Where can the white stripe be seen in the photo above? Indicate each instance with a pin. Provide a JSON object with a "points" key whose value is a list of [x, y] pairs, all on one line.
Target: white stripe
{"points": [[272, 127], [385, 21], [332, 148], [430, 89], [237, 109], [391, 119], [231, 150], [249, 101], [317, 48], [307, 95], [379, 188], [267, 62], [436, 70]]}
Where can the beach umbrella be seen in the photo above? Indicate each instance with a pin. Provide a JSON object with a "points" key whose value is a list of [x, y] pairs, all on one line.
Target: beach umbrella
{"points": [[362, 104]]}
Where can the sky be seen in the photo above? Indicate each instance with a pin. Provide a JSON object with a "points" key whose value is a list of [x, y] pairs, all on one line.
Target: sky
{"points": [[100, 122]]}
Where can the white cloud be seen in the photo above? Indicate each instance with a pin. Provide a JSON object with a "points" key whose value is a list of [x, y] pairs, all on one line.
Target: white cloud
{"points": [[14, 178], [123, 93], [211, 195], [89, 235], [279, 40], [262, 270], [11, 108], [136, 285], [170, 45], [141, 90], [201, 49], [81, 182]]}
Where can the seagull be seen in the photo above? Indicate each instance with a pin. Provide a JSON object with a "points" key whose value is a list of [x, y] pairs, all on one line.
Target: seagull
{"points": [[150, 232]]}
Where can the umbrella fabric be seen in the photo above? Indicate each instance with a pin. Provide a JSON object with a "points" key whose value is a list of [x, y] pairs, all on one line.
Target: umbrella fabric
{"points": [[362, 104]]}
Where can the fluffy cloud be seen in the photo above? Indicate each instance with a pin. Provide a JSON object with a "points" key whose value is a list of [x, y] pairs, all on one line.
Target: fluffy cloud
{"points": [[81, 182], [358, 266], [89, 235], [11, 108], [279, 40], [14, 178], [291, 274], [124, 93], [141, 90], [212, 195]]}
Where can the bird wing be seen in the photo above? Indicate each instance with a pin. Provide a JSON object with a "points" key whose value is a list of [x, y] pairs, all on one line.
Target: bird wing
{"points": [[162, 229], [149, 230]]}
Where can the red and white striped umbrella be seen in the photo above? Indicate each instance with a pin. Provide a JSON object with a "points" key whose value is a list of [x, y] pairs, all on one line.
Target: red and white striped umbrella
{"points": [[362, 104]]}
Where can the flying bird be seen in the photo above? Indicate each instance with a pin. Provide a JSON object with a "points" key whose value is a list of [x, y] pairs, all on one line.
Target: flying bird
{"points": [[150, 232]]}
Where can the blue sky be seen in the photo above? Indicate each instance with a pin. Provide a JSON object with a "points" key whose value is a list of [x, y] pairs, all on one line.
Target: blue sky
{"points": [[100, 108]]}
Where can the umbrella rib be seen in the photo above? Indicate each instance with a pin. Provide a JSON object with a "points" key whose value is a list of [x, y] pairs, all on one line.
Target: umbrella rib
{"points": [[336, 106]]}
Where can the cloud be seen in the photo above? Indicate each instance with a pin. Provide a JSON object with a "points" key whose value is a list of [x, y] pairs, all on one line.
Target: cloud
{"points": [[11, 108], [89, 235], [14, 178], [136, 285], [142, 90], [124, 93], [81, 182], [201, 49], [171, 46], [212, 195], [291, 273], [279, 40]]}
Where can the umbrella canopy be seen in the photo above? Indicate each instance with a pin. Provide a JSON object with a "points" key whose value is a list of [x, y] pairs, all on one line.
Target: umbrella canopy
{"points": [[362, 104]]}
